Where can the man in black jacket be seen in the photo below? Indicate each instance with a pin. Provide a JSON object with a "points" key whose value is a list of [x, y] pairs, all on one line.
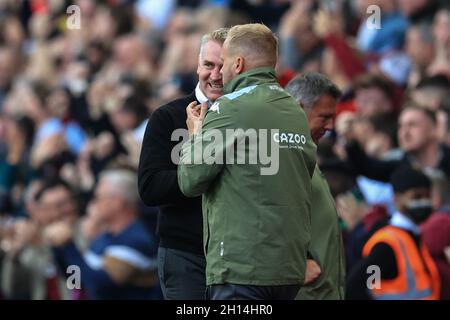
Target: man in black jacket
{"points": [[181, 261], [418, 140]]}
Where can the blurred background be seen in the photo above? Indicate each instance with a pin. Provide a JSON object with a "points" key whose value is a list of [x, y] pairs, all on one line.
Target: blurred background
{"points": [[75, 102]]}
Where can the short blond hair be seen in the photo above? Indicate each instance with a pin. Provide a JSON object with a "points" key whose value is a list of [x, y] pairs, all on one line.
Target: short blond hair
{"points": [[254, 41], [218, 36]]}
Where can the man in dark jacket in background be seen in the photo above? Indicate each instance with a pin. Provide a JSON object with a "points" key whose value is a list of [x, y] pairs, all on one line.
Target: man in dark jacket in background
{"points": [[181, 261], [418, 140]]}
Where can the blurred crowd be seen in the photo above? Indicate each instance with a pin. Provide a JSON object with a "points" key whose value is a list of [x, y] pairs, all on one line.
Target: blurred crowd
{"points": [[74, 104]]}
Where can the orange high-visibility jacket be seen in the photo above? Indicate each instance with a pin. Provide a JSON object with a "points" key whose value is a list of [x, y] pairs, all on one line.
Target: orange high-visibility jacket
{"points": [[417, 277]]}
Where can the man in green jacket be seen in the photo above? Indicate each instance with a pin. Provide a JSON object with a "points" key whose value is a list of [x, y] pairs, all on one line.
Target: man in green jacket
{"points": [[318, 97], [252, 159]]}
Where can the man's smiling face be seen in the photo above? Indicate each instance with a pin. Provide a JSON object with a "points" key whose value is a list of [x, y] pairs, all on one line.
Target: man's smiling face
{"points": [[208, 70]]}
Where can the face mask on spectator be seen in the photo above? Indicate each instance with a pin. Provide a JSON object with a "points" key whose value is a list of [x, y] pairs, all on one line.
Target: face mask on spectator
{"points": [[419, 210]]}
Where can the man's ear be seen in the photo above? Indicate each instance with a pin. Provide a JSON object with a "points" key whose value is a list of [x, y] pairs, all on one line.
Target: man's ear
{"points": [[239, 65]]}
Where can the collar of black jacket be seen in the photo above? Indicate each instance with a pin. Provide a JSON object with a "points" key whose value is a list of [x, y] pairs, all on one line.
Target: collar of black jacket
{"points": [[251, 77]]}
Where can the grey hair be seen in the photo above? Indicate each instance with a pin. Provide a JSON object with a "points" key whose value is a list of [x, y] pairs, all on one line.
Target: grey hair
{"points": [[307, 88], [122, 183], [218, 36]]}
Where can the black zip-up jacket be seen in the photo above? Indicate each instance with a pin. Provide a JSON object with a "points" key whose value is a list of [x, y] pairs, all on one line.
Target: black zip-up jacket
{"points": [[180, 221], [381, 255], [381, 170]]}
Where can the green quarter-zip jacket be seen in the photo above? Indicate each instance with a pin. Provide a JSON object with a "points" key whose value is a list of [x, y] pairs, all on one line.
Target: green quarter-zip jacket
{"points": [[326, 245]]}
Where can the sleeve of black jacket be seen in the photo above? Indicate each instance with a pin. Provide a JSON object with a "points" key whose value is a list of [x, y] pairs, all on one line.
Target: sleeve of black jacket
{"points": [[382, 256], [157, 175], [365, 165]]}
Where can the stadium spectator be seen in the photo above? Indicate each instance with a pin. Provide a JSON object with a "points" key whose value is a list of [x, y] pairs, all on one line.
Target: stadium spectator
{"points": [[121, 262], [405, 268]]}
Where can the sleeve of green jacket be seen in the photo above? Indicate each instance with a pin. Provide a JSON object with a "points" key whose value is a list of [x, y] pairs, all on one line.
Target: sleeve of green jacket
{"points": [[203, 155]]}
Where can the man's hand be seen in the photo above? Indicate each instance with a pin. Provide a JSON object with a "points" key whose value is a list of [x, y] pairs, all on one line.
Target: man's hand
{"points": [[350, 209], [58, 233], [23, 233], [16, 143], [344, 125], [26, 232], [195, 116], [313, 271], [47, 148], [326, 23], [296, 19]]}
